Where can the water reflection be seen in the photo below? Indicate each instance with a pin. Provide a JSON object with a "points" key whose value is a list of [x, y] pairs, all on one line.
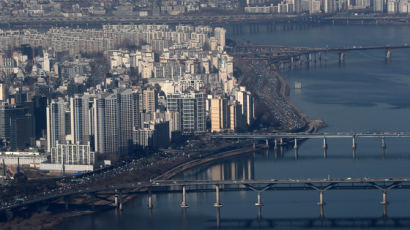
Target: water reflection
{"points": [[218, 217], [238, 169], [243, 168], [314, 223]]}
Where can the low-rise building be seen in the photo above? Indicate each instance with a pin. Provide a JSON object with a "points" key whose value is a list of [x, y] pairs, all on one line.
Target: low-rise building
{"points": [[70, 157]]}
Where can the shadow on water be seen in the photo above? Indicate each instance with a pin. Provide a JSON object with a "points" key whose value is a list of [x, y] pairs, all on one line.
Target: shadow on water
{"points": [[311, 223]]}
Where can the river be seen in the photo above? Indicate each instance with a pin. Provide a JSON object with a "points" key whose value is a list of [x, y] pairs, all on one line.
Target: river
{"points": [[364, 94]]}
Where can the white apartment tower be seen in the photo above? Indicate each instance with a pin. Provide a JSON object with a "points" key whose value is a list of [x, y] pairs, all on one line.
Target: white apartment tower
{"points": [[403, 6], [329, 6], [55, 112], [220, 35], [219, 114], [378, 5], [126, 115], [4, 92], [116, 116], [191, 107], [81, 119], [107, 119], [46, 62], [246, 100], [392, 7]]}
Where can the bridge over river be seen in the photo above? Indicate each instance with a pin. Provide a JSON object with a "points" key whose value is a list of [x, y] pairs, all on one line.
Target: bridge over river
{"points": [[294, 55], [194, 186], [279, 138]]}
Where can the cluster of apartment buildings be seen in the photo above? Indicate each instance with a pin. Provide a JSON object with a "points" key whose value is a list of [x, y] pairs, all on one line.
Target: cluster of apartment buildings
{"points": [[186, 86], [392, 6], [72, 8], [90, 41]]}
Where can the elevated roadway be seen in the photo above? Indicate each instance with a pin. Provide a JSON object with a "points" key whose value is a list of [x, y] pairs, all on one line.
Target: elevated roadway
{"points": [[264, 136], [257, 185]]}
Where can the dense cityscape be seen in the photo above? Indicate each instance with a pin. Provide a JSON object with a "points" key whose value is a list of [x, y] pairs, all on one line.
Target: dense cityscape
{"points": [[162, 83], [99, 109], [144, 8]]}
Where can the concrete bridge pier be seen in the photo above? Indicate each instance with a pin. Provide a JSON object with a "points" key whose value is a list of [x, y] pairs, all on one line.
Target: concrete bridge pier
{"points": [[383, 144], [120, 206], [275, 144], [281, 141], [217, 198], [254, 145], [384, 198], [183, 203], [388, 55], [267, 143], [150, 206], [300, 62], [291, 63], [296, 154], [354, 145], [384, 202], [321, 200], [341, 58], [295, 146], [324, 143], [309, 59], [259, 200], [118, 199], [324, 146]]}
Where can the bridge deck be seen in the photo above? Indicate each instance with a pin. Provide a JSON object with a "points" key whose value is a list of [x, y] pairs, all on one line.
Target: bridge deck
{"points": [[309, 135], [383, 184]]}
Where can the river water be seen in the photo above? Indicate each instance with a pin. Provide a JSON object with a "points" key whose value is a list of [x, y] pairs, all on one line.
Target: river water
{"points": [[365, 94]]}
